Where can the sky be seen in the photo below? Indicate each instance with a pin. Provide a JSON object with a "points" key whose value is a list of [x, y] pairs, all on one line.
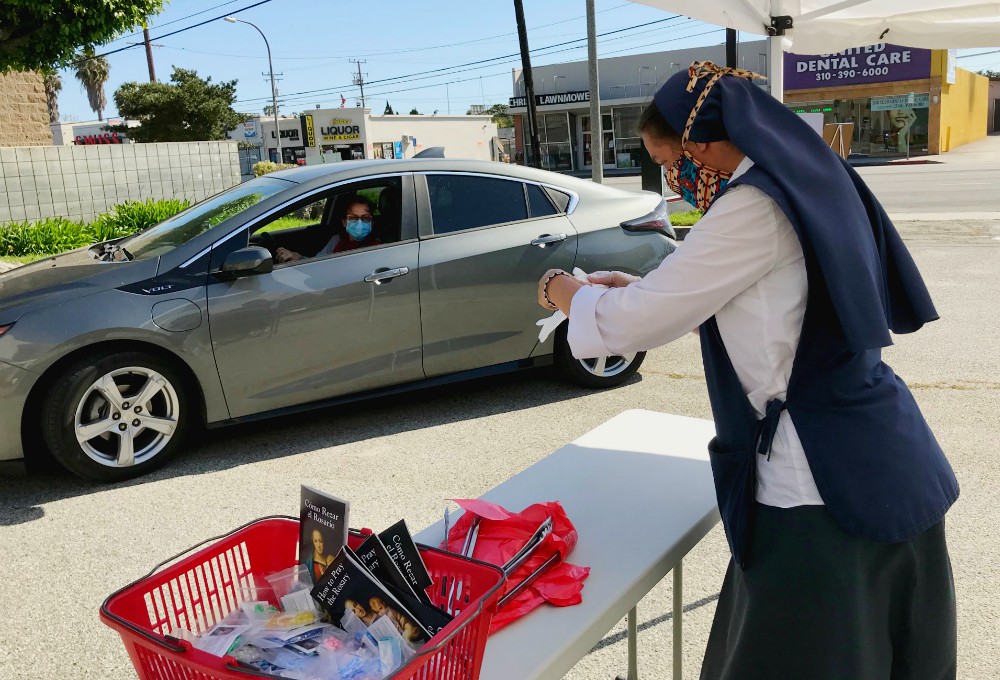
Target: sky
{"points": [[415, 55]]}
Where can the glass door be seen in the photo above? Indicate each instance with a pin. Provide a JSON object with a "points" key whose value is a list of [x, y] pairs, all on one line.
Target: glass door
{"points": [[607, 132]]}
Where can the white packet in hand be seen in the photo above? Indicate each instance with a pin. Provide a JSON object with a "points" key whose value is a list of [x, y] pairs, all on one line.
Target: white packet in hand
{"points": [[548, 325]]}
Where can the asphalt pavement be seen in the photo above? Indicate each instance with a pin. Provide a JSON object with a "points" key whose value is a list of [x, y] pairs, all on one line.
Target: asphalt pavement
{"points": [[68, 544]]}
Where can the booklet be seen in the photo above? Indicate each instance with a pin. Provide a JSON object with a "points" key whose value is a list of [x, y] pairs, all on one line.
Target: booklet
{"points": [[322, 530], [373, 556], [348, 587], [404, 553], [376, 559]]}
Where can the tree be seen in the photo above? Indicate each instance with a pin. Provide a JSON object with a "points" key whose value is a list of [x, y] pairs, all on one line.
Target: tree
{"points": [[92, 71], [269, 109], [53, 84], [500, 115], [45, 33], [990, 73], [187, 109], [414, 112], [388, 110]]}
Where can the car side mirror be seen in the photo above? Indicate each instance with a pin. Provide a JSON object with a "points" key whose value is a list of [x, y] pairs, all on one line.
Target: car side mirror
{"points": [[246, 262]]}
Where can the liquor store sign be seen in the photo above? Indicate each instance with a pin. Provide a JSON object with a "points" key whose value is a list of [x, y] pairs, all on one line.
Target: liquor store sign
{"points": [[340, 130], [579, 97]]}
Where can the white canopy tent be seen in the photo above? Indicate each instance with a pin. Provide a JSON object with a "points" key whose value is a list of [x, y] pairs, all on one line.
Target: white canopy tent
{"points": [[828, 26]]}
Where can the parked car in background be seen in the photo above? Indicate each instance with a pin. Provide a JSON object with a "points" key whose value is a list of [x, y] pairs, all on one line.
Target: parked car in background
{"points": [[110, 354]]}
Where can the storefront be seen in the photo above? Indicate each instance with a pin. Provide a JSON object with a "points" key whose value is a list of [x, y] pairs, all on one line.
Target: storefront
{"points": [[889, 101], [562, 101], [87, 133]]}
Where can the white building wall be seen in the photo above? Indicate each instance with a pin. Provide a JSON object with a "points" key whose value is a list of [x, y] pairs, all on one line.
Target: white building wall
{"points": [[461, 136]]}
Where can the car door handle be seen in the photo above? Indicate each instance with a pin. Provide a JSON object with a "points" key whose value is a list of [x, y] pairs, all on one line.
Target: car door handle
{"points": [[547, 239], [381, 275]]}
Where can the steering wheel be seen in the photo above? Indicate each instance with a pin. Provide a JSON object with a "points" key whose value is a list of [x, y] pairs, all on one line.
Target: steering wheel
{"points": [[265, 239]]}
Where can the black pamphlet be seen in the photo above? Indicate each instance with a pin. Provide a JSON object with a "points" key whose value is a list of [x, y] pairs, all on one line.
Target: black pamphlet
{"points": [[430, 617], [322, 530], [348, 586], [403, 551], [373, 555]]}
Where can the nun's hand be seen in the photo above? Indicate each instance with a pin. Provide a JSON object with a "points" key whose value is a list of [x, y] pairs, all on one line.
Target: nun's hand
{"points": [[613, 279]]}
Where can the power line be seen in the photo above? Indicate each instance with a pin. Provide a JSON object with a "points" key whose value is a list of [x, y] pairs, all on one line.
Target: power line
{"points": [[977, 54], [180, 30], [174, 21], [297, 99], [431, 73]]}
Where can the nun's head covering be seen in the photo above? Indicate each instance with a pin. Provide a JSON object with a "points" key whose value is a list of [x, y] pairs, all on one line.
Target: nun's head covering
{"points": [[873, 284]]}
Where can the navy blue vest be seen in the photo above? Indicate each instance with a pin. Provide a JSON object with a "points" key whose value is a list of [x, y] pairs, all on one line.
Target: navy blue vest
{"points": [[876, 463]]}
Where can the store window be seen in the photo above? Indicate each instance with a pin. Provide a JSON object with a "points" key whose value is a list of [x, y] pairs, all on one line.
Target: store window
{"points": [[628, 144], [895, 132], [606, 132], [554, 141]]}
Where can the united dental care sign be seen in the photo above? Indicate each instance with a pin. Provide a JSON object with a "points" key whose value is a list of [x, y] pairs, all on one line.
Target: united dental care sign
{"points": [[882, 63]]}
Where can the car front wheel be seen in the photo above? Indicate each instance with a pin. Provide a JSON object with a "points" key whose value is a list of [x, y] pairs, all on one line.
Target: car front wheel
{"points": [[115, 416], [597, 373]]}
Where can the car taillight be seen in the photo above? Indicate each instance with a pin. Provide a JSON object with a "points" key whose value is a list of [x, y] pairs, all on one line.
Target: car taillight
{"points": [[658, 221], [5, 328]]}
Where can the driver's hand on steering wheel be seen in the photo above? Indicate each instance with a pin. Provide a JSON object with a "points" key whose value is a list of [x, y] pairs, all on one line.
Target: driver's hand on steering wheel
{"points": [[283, 255]]}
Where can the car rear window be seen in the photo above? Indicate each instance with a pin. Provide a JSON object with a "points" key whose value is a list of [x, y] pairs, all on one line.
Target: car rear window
{"points": [[559, 198], [538, 203], [467, 201]]}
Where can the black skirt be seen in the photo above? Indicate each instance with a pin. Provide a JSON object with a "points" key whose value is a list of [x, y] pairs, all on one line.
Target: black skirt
{"points": [[816, 603]]}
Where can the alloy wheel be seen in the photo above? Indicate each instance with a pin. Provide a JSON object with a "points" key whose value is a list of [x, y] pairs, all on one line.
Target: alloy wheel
{"points": [[606, 367], [126, 417]]}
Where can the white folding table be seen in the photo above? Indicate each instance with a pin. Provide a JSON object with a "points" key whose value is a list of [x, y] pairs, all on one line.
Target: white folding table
{"points": [[639, 490]]}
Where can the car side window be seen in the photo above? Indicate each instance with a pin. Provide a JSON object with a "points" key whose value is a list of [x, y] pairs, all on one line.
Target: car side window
{"points": [[321, 228], [539, 204], [461, 202]]}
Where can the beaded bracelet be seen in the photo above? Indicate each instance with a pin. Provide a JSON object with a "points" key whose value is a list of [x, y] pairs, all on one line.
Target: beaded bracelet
{"points": [[545, 288]]}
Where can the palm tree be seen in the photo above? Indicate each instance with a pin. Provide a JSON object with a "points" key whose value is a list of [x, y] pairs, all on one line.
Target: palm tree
{"points": [[92, 72], [53, 84]]}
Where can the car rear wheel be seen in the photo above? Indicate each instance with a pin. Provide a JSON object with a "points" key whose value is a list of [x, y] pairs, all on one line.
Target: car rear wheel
{"points": [[597, 373], [116, 416]]}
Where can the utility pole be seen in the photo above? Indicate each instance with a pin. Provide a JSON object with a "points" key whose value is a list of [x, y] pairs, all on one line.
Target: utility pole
{"points": [[529, 85], [149, 52], [596, 123], [359, 80]]}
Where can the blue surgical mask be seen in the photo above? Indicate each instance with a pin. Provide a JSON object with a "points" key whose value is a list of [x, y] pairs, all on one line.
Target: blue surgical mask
{"points": [[359, 230]]}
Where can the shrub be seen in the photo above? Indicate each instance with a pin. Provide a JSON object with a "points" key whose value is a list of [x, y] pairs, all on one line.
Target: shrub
{"points": [[685, 219], [133, 216], [48, 236], [265, 167]]}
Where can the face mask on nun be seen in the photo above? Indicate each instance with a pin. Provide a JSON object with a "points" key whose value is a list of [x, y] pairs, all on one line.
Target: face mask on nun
{"points": [[694, 181]]}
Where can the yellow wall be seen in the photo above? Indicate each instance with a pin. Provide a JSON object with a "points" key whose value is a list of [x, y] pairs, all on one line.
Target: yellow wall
{"points": [[964, 105]]}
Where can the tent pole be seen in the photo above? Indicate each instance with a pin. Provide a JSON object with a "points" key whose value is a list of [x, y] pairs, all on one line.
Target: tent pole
{"points": [[776, 68]]}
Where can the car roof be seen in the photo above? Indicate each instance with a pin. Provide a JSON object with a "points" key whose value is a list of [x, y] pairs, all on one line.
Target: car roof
{"points": [[361, 168]]}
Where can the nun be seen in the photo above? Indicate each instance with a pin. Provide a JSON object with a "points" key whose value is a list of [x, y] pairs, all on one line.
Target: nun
{"points": [[831, 486]]}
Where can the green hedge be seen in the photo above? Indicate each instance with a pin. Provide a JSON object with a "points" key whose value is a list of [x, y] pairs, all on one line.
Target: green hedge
{"points": [[57, 235], [264, 167]]}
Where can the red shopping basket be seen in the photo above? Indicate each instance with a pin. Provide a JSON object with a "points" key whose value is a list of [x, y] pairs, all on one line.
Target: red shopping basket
{"points": [[199, 590]]}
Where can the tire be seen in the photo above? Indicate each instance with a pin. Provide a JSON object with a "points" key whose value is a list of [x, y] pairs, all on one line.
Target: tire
{"points": [[91, 420], [601, 373]]}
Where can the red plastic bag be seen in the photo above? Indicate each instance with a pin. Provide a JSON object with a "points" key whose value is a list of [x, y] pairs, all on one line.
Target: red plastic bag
{"points": [[503, 533]]}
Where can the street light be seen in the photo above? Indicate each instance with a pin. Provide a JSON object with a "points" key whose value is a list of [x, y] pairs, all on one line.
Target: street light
{"points": [[274, 90], [640, 78]]}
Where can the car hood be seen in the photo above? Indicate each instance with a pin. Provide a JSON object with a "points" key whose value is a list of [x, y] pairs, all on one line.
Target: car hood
{"points": [[63, 278]]}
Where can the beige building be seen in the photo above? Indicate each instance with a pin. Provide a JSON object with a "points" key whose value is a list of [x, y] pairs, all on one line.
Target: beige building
{"points": [[24, 113]]}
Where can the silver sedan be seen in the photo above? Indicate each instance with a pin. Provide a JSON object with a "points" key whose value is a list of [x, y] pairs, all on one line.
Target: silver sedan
{"points": [[300, 289]]}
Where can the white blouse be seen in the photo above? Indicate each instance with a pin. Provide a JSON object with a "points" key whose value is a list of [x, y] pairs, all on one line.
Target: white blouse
{"points": [[743, 263]]}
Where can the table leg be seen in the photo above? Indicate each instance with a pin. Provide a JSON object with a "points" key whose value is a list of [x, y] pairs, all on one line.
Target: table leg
{"points": [[678, 614], [633, 644]]}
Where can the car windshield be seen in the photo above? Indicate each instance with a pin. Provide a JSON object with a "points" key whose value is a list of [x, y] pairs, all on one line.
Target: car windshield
{"points": [[199, 218]]}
